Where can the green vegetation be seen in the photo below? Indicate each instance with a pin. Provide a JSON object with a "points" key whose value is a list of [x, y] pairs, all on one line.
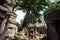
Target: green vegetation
{"points": [[32, 7]]}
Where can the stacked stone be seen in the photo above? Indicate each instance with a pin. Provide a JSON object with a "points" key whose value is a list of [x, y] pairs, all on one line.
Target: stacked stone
{"points": [[7, 16]]}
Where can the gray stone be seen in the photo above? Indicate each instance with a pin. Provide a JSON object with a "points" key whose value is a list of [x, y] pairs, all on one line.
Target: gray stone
{"points": [[12, 19], [4, 8], [11, 1]]}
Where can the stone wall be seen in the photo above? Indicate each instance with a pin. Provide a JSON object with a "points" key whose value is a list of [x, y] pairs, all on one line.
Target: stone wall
{"points": [[7, 17]]}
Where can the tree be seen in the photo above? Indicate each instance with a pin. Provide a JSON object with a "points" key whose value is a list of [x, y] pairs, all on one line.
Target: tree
{"points": [[32, 7], [54, 25], [57, 1]]}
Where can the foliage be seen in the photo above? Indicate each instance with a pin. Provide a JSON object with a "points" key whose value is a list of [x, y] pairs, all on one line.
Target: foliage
{"points": [[33, 5]]}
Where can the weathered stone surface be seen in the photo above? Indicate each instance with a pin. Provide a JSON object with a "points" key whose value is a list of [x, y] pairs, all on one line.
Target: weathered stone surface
{"points": [[3, 24], [4, 9], [12, 19], [33, 32], [11, 1], [2, 15], [8, 16], [11, 30]]}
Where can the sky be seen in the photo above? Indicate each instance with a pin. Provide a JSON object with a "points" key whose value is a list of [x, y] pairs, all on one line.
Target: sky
{"points": [[21, 14], [52, 0]]}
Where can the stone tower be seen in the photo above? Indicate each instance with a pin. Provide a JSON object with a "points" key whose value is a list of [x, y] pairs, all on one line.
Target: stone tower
{"points": [[7, 16]]}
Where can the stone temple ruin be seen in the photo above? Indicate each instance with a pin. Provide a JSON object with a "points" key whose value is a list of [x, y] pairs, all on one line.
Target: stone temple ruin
{"points": [[8, 26], [33, 32], [7, 19]]}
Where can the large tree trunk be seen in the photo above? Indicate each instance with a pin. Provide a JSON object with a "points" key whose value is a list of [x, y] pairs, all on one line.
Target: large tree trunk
{"points": [[52, 18]]}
